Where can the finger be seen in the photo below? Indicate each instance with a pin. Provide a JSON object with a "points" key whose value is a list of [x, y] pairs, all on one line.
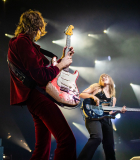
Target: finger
{"points": [[70, 47], [123, 111], [97, 101], [54, 62], [110, 112], [65, 48], [70, 53], [72, 50], [54, 59]]}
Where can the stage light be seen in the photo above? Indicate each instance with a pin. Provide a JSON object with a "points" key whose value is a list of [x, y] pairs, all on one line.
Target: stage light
{"points": [[105, 31], [4, 0], [9, 35], [82, 128], [103, 59], [9, 136], [55, 24], [109, 58], [118, 116], [136, 89], [78, 40], [97, 61], [60, 42], [85, 73], [6, 157], [24, 145], [114, 127], [15, 136], [93, 36]]}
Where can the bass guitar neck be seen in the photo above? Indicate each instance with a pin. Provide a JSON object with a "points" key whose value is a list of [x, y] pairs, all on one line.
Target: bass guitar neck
{"points": [[112, 108]]}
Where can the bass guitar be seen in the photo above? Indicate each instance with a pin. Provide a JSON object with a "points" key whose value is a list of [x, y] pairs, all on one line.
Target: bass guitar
{"points": [[63, 87], [94, 112]]}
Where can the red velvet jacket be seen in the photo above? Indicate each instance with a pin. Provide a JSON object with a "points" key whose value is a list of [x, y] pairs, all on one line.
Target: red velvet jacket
{"points": [[26, 56]]}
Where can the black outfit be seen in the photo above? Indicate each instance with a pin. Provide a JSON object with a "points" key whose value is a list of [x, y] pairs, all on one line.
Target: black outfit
{"points": [[100, 131]]}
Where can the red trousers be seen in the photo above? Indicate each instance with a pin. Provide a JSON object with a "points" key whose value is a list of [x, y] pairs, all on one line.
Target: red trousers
{"points": [[48, 119]]}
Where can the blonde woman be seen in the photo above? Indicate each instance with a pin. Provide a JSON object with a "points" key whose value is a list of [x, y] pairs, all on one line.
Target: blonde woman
{"points": [[100, 130]]}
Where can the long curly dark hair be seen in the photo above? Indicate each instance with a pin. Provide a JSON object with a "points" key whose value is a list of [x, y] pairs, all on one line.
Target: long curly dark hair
{"points": [[31, 21]]}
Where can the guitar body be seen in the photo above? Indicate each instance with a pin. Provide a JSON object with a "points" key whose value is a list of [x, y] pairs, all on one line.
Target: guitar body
{"points": [[63, 88], [91, 111], [95, 113]]}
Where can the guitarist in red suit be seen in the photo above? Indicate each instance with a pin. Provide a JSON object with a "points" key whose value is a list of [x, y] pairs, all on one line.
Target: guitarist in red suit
{"points": [[25, 55], [100, 130]]}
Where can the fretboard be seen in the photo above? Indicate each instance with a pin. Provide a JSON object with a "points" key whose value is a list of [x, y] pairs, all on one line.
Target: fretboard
{"points": [[119, 108], [68, 44]]}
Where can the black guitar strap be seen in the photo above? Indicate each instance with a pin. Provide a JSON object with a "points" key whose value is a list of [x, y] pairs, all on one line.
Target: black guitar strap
{"points": [[47, 53], [29, 82]]}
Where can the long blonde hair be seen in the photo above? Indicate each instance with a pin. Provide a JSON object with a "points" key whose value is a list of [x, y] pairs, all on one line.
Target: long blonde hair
{"points": [[97, 86], [31, 21]]}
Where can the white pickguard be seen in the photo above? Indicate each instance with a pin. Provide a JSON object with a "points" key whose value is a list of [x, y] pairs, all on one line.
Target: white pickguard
{"points": [[68, 80]]}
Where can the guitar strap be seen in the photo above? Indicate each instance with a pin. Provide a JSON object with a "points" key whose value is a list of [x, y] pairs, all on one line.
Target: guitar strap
{"points": [[29, 82], [47, 53], [111, 103]]}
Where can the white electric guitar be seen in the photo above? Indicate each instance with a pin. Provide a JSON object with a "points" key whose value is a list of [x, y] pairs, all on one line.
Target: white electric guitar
{"points": [[63, 87]]}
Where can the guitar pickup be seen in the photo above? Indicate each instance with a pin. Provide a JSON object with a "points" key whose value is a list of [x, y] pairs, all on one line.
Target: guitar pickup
{"points": [[64, 89]]}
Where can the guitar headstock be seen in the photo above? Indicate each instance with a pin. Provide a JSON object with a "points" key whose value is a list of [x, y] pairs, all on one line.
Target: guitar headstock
{"points": [[68, 30]]}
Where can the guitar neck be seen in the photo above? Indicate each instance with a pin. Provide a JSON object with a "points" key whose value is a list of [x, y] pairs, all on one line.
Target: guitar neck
{"points": [[119, 108], [68, 44]]}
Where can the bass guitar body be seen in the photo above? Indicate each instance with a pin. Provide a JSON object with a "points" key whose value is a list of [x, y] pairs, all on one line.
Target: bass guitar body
{"points": [[91, 111]]}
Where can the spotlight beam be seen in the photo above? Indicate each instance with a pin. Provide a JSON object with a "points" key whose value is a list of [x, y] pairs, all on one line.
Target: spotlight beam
{"points": [[85, 73], [136, 89], [82, 128], [9, 35]]}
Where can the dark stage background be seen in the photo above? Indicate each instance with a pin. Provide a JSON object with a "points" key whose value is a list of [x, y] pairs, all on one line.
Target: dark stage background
{"points": [[121, 43]]}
